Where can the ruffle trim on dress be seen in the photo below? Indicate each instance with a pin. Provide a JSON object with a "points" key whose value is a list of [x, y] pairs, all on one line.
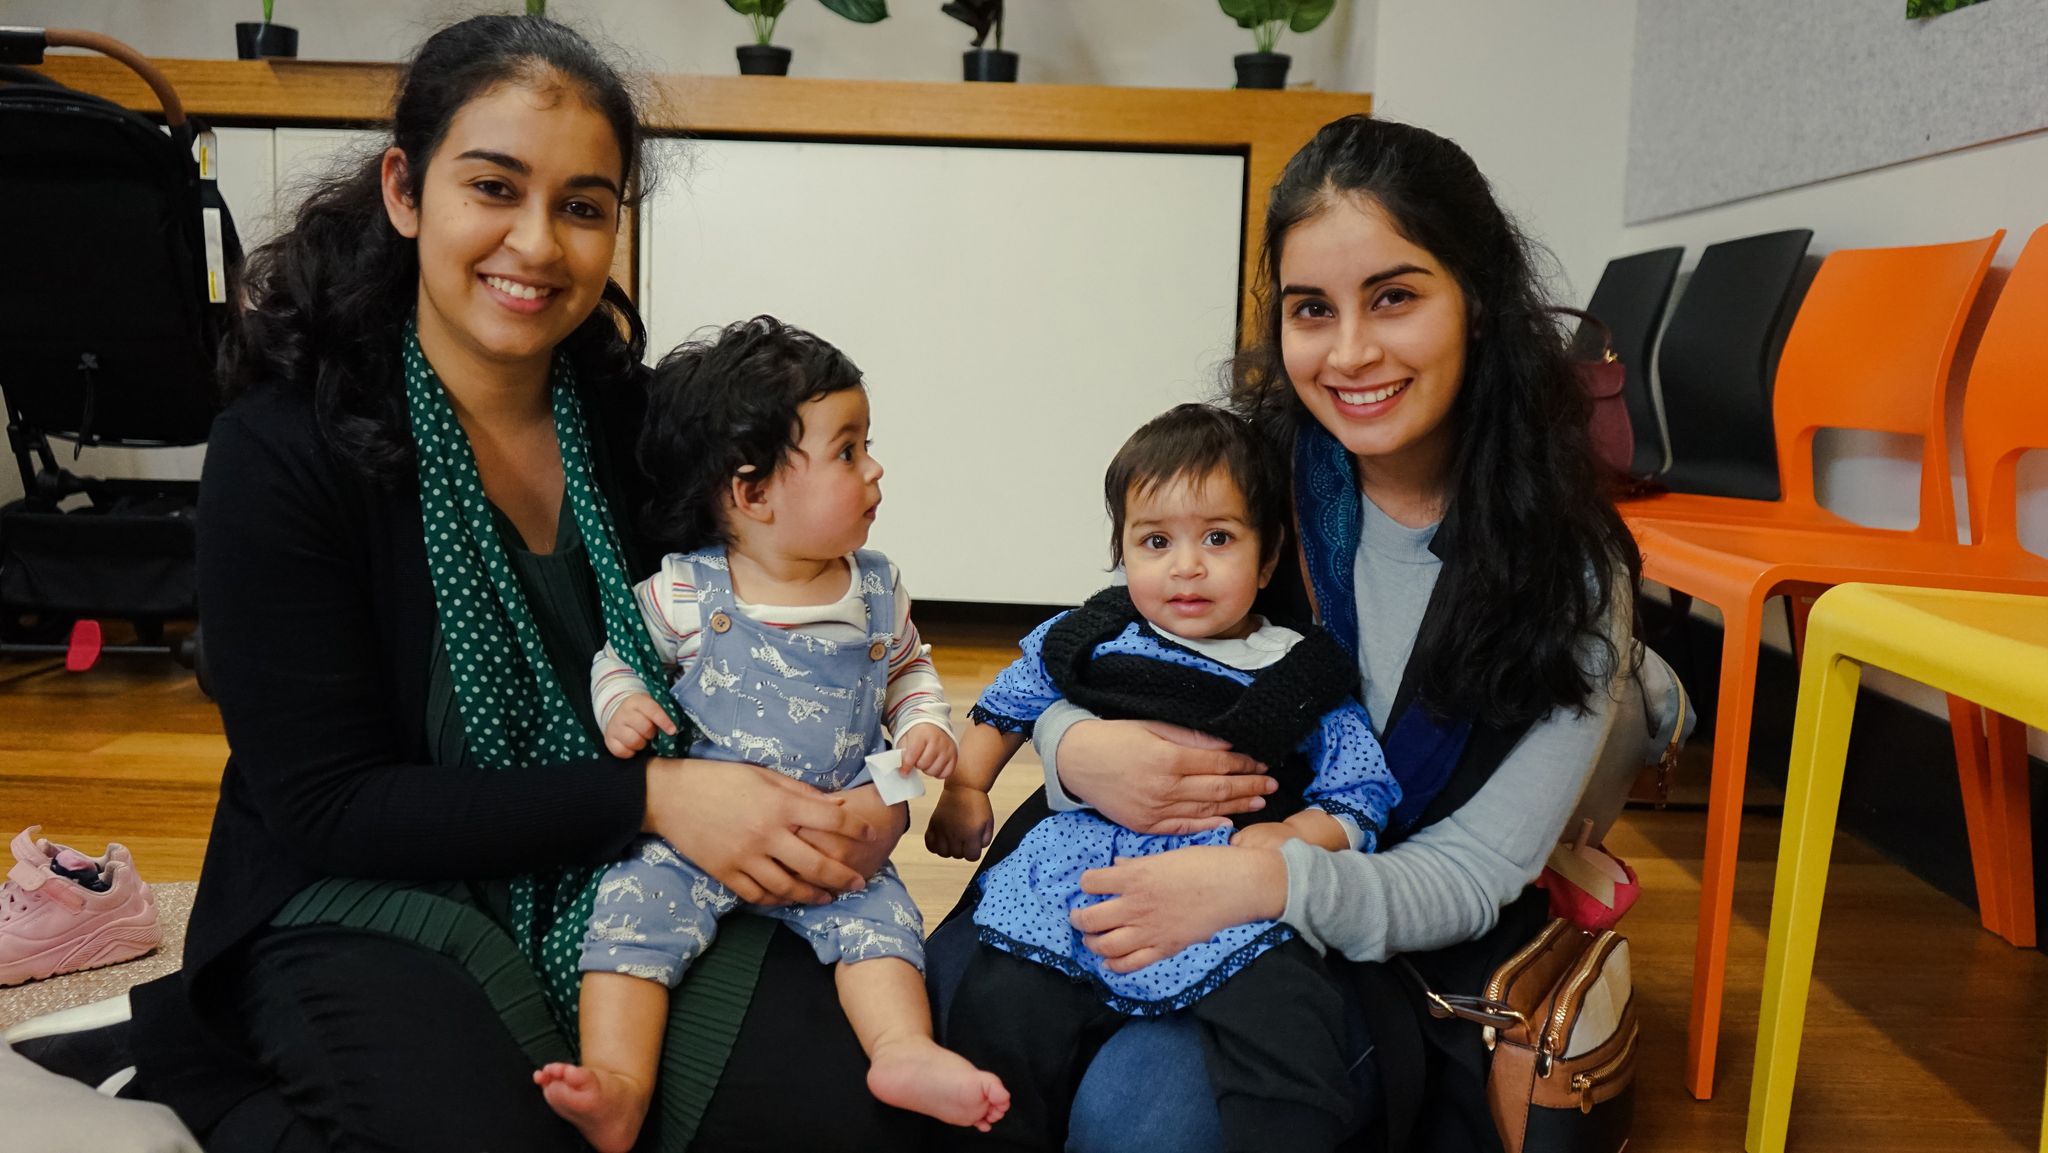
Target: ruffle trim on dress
{"points": [[1229, 967], [1366, 820], [997, 721]]}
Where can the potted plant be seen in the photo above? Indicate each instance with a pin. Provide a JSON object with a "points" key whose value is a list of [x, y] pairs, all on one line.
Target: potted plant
{"points": [[1266, 68], [984, 63], [762, 58], [256, 41]]}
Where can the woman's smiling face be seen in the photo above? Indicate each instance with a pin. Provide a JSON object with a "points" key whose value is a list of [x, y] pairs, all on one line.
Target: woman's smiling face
{"points": [[517, 219], [1372, 331]]}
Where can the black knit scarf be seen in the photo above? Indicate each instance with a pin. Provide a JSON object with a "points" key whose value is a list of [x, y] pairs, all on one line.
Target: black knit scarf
{"points": [[1265, 720]]}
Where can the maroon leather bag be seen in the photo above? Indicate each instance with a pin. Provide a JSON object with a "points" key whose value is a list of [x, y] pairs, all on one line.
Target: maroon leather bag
{"points": [[1613, 436]]}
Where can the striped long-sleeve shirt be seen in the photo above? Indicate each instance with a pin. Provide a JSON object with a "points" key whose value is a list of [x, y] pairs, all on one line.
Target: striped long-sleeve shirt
{"points": [[669, 610]]}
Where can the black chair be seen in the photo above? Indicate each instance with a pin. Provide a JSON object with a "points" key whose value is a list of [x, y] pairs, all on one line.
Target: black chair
{"points": [[122, 265], [1630, 300], [1719, 359]]}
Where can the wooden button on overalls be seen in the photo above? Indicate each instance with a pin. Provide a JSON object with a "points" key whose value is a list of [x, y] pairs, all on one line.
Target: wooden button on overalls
{"points": [[720, 622]]}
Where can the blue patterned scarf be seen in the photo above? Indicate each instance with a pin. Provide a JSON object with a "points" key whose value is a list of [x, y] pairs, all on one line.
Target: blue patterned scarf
{"points": [[1422, 750]]}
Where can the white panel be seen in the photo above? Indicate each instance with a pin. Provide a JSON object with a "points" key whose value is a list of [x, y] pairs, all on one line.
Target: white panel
{"points": [[1741, 97], [1017, 313]]}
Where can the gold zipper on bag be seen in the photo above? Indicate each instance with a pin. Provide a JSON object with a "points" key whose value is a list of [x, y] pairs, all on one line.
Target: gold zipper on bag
{"points": [[1506, 974], [1583, 1083], [1567, 1001], [1496, 986]]}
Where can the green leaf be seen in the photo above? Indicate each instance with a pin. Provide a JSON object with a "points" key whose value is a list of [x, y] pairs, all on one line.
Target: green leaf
{"points": [[744, 7], [771, 9], [1250, 13], [859, 11], [1306, 14]]}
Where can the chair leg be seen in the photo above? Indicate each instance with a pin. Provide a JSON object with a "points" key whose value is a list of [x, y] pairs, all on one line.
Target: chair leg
{"points": [[1724, 830], [2012, 813], [1813, 797], [1974, 772]]}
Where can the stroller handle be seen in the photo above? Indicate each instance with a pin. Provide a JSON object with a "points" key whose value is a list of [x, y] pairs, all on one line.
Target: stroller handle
{"points": [[26, 45]]}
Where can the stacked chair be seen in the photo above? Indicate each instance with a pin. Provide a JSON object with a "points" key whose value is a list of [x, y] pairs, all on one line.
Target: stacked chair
{"points": [[1629, 301], [1871, 348], [1988, 647]]}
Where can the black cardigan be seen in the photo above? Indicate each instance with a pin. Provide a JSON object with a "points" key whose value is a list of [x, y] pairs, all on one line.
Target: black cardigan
{"points": [[319, 616]]}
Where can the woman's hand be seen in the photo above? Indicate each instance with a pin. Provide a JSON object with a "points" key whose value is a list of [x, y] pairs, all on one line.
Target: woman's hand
{"points": [[865, 857], [1161, 904], [1154, 778], [743, 825]]}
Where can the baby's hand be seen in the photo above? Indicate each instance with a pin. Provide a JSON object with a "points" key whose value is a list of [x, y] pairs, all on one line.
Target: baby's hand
{"points": [[633, 724], [929, 751], [962, 824], [1264, 835]]}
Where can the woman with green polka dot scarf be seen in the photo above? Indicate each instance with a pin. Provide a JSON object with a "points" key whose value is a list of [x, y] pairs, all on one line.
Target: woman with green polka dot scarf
{"points": [[417, 527]]}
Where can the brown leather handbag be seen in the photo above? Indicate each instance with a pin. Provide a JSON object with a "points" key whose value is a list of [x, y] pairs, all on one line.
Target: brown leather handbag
{"points": [[1559, 1020]]}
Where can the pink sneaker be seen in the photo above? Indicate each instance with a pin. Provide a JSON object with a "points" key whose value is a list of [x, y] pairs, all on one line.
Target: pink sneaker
{"points": [[62, 911]]}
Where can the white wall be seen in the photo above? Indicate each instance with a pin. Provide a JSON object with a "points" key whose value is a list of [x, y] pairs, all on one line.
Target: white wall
{"points": [[1169, 43], [1539, 95]]}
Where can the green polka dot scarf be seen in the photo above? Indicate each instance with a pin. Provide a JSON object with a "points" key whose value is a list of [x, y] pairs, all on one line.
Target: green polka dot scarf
{"points": [[514, 711]]}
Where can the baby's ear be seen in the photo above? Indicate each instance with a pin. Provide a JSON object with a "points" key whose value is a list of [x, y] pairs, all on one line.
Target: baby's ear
{"points": [[1272, 560], [748, 495]]}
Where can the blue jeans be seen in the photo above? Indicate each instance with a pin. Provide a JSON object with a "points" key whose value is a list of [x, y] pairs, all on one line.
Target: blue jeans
{"points": [[1148, 1088]]}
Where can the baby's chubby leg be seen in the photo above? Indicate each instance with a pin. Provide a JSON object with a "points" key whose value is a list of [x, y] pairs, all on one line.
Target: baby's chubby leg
{"points": [[654, 914], [886, 1003], [607, 1096]]}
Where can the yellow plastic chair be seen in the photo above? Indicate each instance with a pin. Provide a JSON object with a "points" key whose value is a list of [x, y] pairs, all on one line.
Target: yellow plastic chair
{"points": [[1991, 648]]}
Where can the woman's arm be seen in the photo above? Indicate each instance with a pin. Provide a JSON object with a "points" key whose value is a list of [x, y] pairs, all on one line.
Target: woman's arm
{"points": [[1444, 885], [1145, 776], [1449, 882], [294, 638]]}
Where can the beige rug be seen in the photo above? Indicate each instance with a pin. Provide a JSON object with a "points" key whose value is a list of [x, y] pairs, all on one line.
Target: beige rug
{"points": [[173, 906]]}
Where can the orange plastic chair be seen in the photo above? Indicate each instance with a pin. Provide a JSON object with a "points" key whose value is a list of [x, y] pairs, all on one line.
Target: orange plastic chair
{"points": [[1861, 353], [1825, 381]]}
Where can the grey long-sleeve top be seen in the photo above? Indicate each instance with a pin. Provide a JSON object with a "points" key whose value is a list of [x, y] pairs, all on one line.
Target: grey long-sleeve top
{"points": [[1448, 882]]}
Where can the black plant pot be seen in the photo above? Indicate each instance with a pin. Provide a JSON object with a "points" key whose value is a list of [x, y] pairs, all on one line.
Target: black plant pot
{"points": [[1262, 69], [257, 41], [990, 64], [763, 60]]}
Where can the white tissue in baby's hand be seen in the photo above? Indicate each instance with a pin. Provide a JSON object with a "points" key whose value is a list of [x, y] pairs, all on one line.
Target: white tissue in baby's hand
{"points": [[891, 781]]}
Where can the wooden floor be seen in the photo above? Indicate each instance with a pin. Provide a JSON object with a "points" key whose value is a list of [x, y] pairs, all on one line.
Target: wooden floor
{"points": [[1925, 1032]]}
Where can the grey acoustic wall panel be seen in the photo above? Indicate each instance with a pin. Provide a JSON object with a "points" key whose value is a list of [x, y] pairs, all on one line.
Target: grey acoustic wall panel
{"points": [[1736, 98]]}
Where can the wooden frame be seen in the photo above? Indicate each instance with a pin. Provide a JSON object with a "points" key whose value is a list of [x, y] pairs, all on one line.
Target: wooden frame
{"points": [[1266, 128]]}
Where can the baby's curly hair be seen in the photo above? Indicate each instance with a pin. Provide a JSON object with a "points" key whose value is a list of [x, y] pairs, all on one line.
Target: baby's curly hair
{"points": [[726, 405]]}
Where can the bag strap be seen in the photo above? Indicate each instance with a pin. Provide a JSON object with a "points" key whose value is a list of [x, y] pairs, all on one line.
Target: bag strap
{"points": [[1606, 334], [1478, 1010]]}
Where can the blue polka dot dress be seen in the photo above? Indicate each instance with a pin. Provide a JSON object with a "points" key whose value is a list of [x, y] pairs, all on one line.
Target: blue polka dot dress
{"points": [[1025, 898]]}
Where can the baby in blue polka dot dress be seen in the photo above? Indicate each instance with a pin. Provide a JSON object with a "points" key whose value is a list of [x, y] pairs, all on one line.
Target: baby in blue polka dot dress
{"points": [[790, 647], [1198, 512]]}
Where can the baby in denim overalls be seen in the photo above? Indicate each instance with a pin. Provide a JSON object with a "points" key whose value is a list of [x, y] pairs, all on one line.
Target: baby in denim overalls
{"points": [[763, 431]]}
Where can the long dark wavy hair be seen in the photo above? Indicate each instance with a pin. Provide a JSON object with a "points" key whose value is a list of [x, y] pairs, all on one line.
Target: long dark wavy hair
{"points": [[328, 300], [1536, 553]]}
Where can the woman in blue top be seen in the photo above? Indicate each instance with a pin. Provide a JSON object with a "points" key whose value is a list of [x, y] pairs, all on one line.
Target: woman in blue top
{"points": [[1454, 534]]}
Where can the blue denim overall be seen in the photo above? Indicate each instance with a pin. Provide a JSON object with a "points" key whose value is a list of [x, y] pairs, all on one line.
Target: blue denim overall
{"points": [[807, 706]]}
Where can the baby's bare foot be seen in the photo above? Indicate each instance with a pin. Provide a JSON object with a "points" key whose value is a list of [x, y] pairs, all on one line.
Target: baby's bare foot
{"points": [[916, 1074], [605, 1107]]}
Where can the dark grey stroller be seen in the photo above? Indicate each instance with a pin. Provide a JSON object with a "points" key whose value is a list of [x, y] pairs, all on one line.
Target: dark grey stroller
{"points": [[122, 266]]}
